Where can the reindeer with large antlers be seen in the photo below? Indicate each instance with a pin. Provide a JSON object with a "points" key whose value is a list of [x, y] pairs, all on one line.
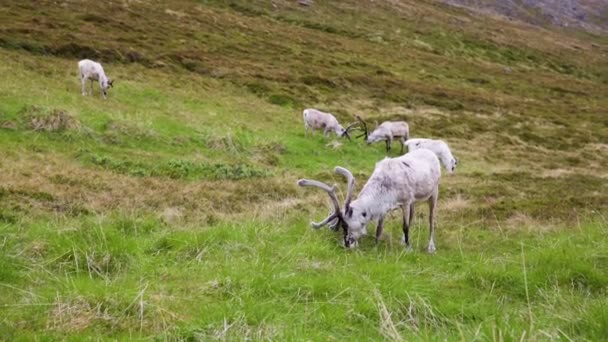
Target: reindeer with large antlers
{"points": [[387, 131], [395, 183]]}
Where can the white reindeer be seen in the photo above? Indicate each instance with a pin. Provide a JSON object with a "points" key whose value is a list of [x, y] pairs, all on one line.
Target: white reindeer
{"points": [[90, 70], [316, 119], [395, 183], [439, 147], [387, 131]]}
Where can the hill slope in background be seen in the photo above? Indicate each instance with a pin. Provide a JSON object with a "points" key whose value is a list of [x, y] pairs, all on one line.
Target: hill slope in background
{"points": [[171, 209], [590, 15]]}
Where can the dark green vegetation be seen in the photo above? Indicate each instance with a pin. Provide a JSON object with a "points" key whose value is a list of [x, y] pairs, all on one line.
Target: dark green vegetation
{"points": [[170, 210]]}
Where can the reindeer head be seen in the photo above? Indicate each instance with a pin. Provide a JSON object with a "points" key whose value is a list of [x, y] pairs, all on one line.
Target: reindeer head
{"points": [[378, 134], [106, 85], [452, 166], [352, 219]]}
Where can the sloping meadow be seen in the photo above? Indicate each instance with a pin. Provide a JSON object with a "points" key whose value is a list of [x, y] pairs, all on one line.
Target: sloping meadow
{"points": [[171, 209]]}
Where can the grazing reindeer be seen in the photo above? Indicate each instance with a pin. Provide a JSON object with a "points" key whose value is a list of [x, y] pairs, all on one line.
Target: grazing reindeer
{"points": [[441, 149], [395, 183], [90, 70], [387, 131], [316, 119]]}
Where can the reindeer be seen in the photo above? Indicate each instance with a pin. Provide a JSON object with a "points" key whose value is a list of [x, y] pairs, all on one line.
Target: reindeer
{"points": [[90, 70], [439, 147], [395, 183], [316, 119], [387, 131]]}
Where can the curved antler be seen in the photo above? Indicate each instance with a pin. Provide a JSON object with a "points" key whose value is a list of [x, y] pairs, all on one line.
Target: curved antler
{"points": [[348, 128], [334, 217], [350, 180], [335, 224], [327, 220], [364, 126]]}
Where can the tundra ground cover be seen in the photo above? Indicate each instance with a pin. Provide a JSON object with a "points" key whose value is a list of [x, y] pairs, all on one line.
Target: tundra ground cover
{"points": [[170, 211]]}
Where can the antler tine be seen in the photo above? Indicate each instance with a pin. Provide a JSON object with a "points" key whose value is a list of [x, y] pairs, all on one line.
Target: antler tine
{"points": [[350, 180], [363, 124], [331, 191], [347, 129], [328, 219], [334, 225]]}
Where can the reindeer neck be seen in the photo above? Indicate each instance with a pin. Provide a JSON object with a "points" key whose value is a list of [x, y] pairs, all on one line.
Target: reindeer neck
{"points": [[377, 201]]}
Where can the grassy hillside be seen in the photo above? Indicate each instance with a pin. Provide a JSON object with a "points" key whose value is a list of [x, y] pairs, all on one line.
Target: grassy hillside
{"points": [[170, 211]]}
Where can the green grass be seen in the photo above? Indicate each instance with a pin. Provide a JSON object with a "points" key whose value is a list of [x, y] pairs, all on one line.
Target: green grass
{"points": [[171, 211], [121, 276]]}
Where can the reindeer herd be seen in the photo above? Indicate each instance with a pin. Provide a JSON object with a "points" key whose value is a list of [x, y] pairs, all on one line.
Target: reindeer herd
{"points": [[395, 183]]}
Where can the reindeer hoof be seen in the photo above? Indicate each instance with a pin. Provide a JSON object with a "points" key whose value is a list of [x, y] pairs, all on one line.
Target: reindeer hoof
{"points": [[408, 247], [431, 248]]}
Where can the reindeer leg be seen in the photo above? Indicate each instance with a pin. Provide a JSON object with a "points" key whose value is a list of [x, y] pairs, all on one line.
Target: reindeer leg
{"points": [[379, 228], [402, 144], [432, 206], [388, 145], [407, 210], [411, 214]]}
